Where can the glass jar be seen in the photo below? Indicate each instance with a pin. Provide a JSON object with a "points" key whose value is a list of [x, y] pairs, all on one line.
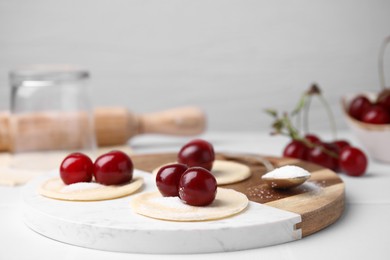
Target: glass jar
{"points": [[50, 111]]}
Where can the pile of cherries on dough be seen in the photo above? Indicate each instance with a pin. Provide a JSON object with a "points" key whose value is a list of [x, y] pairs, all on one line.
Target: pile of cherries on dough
{"points": [[338, 155], [112, 168], [377, 112], [190, 179]]}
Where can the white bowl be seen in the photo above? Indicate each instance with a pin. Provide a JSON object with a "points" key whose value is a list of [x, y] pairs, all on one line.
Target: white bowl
{"points": [[375, 138]]}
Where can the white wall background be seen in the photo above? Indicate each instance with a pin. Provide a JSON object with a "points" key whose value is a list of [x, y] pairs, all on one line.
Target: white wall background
{"points": [[232, 58]]}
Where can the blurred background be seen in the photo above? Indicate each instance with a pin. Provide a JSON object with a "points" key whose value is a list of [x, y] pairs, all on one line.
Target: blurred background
{"points": [[231, 58]]}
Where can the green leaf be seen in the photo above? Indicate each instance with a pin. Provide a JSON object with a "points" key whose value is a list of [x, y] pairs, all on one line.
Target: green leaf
{"points": [[278, 125], [271, 112]]}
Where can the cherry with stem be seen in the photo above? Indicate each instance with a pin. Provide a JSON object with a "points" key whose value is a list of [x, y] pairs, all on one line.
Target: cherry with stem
{"points": [[335, 155]]}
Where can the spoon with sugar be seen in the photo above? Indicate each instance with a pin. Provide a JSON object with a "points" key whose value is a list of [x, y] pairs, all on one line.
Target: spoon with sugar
{"points": [[286, 177]]}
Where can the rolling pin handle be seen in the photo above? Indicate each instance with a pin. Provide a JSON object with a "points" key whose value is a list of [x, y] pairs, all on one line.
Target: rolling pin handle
{"points": [[182, 121]]}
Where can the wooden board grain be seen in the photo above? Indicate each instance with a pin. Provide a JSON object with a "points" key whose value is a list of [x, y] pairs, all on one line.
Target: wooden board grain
{"points": [[317, 209]]}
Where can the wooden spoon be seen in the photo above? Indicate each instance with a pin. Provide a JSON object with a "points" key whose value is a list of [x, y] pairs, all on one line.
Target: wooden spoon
{"points": [[280, 180], [285, 183]]}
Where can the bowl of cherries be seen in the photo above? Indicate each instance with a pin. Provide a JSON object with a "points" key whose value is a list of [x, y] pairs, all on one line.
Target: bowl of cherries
{"points": [[368, 116]]}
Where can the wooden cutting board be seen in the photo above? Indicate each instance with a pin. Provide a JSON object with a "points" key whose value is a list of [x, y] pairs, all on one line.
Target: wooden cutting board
{"points": [[317, 209], [272, 217]]}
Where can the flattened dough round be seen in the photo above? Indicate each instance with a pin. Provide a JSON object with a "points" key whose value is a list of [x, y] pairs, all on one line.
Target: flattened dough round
{"points": [[55, 188], [226, 172], [228, 202]]}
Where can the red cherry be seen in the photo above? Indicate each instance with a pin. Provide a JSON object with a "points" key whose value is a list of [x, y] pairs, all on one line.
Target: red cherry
{"points": [[113, 168], [198, 152], [197, 187], [333, 148], [353, 161], [382, 98], [384, 101], [295, 149], [76, 167], [319, 156], [358, 106], [168, 177], [376, 115], [384, 92], [341, 144], [313, 138]]}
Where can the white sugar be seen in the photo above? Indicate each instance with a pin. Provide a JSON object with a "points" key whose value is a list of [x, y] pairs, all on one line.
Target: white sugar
{"points": [[287, 171], [170, 202], [80, 186], [311, 187]]}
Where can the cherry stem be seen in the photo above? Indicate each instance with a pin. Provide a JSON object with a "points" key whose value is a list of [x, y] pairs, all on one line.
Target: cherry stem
{"points": [[315, 90], [284, 126], [330, 116], [306, 114], [299, 122], [290, 128], [381, 57]]}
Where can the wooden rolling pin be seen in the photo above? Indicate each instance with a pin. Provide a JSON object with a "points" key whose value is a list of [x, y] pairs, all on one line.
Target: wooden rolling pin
{"points": [[113, 126]]}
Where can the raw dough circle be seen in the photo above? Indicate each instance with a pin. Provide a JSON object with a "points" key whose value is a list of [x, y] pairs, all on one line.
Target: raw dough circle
{"points": [[19, 169], [54, 188], [226, 172], [228, 202]]}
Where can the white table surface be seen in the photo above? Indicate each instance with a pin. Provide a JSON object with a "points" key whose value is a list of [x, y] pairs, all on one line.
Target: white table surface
{"points": [[361, 233]]}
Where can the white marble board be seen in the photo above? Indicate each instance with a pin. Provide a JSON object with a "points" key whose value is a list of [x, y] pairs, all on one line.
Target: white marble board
{"points": [[111, 225]]}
